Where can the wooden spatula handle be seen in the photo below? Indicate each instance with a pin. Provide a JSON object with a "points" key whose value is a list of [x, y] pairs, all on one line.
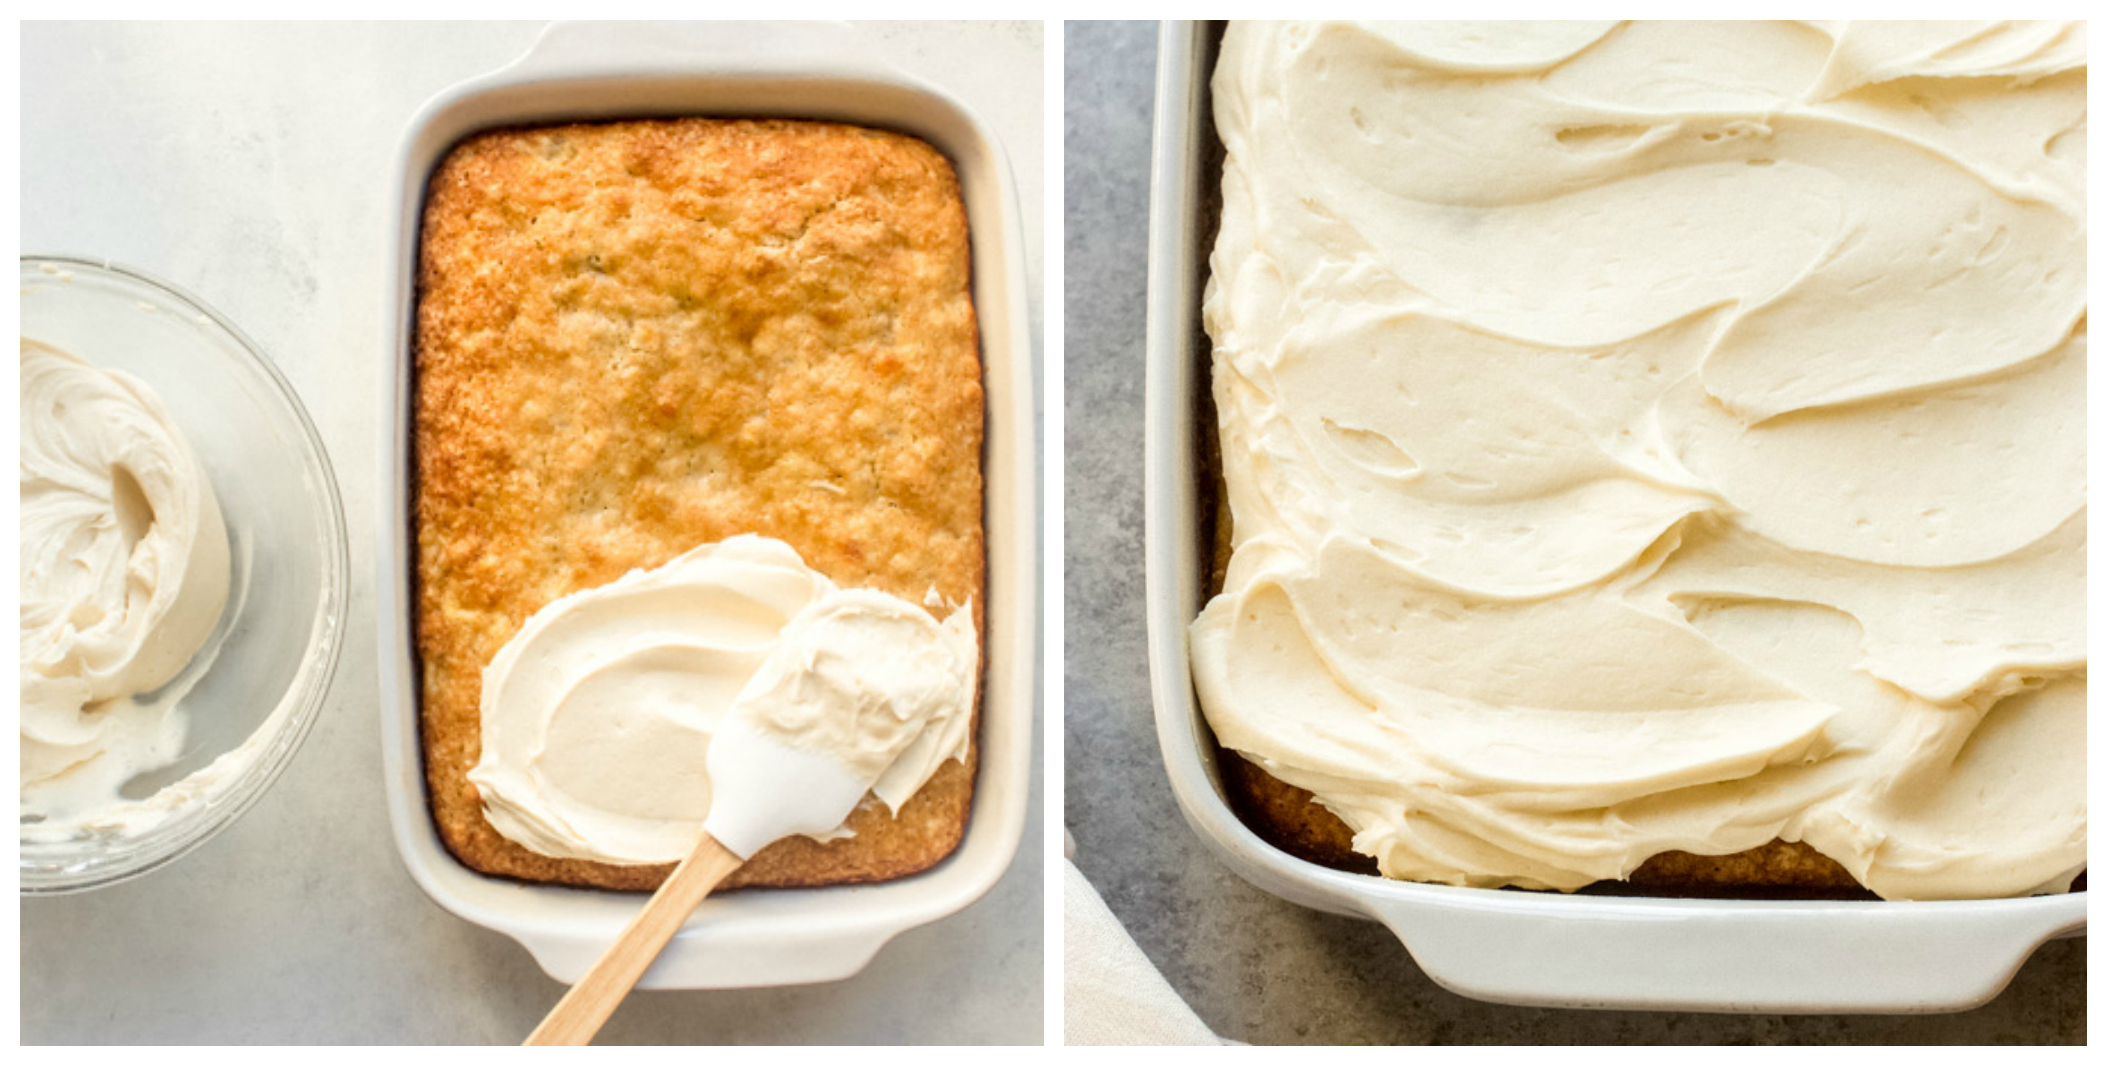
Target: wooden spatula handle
{"points": [[590, 1002]]}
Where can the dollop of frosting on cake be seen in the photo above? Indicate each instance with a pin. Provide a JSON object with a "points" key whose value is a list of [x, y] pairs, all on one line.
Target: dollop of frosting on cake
{"points": [[1647, 437], [597, 715]]}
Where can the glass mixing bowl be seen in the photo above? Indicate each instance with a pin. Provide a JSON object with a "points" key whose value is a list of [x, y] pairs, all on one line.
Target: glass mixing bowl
{"points": [[266, 668]]}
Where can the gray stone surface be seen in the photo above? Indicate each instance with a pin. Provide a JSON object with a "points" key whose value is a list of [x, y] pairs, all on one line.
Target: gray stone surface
{"points": [[1256, 968], [250, 164]]}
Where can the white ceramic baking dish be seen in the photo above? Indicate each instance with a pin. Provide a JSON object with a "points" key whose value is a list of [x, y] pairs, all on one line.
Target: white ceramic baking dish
{"points": [[818, 71], [1510, 947]]}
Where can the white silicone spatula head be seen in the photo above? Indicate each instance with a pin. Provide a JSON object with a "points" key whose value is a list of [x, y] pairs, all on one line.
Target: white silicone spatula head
{"points": [[856, 679]]}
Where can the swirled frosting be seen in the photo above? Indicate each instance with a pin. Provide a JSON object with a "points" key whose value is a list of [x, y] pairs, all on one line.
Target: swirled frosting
{"points": [[1658, 436], [597, 715], [124, 575]]}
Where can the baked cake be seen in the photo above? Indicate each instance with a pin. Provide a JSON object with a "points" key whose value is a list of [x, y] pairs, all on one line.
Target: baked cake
{"points": [[636, 337], [1653, 454]]}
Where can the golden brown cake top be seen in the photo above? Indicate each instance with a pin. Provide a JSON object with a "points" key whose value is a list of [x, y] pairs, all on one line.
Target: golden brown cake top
{"points": [[637, 337]]}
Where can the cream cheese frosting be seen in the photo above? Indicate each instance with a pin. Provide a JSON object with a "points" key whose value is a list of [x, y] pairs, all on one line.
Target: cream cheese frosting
{"points": [[872, 681], [124, 576], [1647, 437], [597, 715]]}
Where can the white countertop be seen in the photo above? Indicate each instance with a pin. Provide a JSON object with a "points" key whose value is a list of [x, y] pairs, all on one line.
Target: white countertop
{"points": [[249, 165]]}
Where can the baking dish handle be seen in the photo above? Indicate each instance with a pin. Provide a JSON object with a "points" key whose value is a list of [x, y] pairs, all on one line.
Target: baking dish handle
{"points": [[584, 49], [703, 958], [1753, 956]]}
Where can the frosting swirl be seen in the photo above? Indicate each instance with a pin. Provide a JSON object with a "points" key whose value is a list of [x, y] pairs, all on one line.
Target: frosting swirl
{"points": [[124, 575], [597, 714], [1646, 437]]}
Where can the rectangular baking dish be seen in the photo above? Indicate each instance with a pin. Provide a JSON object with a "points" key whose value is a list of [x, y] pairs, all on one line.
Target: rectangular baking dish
{"points": [[817, 71], [1511, 947]]}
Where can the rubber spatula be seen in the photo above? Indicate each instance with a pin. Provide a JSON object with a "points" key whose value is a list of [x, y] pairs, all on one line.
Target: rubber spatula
{"points": [[765, 785]]}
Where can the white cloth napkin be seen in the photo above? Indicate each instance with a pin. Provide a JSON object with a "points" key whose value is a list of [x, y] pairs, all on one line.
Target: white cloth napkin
{"points": [[1113, 993]]}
